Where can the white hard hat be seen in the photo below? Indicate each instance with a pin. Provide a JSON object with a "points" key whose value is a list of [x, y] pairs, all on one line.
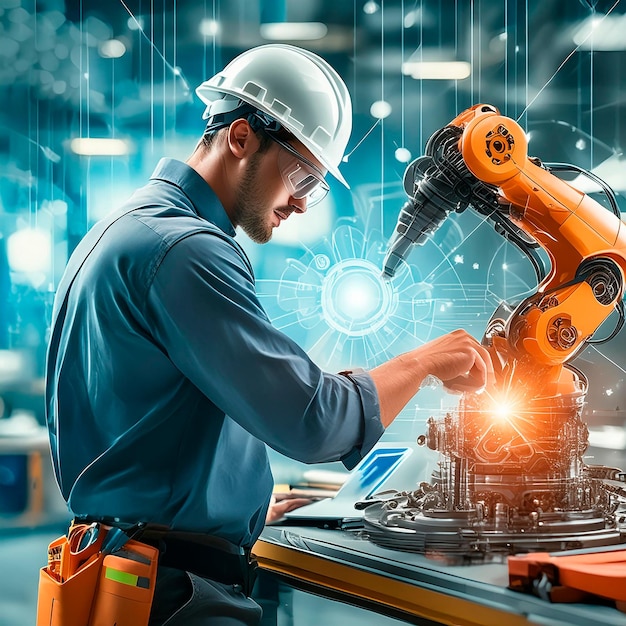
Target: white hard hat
{"points": [[295, 87]]}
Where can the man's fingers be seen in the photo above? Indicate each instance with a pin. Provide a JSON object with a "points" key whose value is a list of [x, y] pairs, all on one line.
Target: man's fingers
{"points": [[278, 509], [464, 383], [479, 375]]}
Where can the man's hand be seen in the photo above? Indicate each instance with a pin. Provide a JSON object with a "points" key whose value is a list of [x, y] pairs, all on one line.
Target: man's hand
{"points": [[457, 359], [281, 505]]}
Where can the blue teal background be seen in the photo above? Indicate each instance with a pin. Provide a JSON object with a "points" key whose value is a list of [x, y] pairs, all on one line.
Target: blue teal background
{"points": [[557, 67]]}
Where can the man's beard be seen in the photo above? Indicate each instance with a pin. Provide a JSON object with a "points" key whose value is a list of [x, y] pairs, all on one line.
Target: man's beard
{"points": [[248, 211]]}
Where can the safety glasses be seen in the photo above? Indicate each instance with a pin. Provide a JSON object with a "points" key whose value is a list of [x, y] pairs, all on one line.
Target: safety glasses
{"points": [[301, 177]]}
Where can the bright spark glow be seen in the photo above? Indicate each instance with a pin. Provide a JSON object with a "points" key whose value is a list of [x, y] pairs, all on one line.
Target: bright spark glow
{"points": [[458, 259], [609, 392], [503, 410]]}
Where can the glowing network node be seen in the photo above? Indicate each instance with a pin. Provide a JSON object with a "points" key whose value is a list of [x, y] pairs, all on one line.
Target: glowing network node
{"points": [[403, 155], [380, 109], [356, 299], [335, 302]]}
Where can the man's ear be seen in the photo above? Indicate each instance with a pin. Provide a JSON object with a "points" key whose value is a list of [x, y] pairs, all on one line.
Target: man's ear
{"points": [[242, 140]]}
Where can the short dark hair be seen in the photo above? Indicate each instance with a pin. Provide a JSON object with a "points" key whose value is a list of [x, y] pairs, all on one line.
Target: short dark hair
{"points": [[210, 134]]}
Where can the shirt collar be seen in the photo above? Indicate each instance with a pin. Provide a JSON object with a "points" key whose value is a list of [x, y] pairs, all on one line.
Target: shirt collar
{"points": [[196, 189]]}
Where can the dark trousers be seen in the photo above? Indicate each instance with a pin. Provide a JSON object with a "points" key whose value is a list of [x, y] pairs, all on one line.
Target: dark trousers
{"points": [[184, 599]]}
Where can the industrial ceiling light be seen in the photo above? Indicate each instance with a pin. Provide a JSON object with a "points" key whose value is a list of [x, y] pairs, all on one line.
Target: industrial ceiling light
{"points": [[92, 146], [293, 31], [437, 70]]}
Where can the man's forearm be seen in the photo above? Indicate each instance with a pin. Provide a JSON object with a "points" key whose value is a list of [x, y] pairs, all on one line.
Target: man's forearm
{"points": [[397, 381]]}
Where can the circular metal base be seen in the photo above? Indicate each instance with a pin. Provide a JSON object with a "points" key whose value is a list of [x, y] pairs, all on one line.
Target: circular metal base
{"points": [[459, 532]]}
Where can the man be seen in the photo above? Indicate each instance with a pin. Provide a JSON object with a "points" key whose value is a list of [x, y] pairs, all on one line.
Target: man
{"points": [[166, 379]]}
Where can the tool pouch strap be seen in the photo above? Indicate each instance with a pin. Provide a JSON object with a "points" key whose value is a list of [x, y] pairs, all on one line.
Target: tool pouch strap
{"points": [[206, 556]]}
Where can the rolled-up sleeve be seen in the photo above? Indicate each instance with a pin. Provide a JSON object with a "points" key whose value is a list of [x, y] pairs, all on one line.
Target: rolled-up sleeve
{"points": [[373, 428], [206, 316]]}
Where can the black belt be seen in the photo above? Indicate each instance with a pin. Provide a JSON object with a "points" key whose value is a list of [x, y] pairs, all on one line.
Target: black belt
{"points": [[204, 555]]}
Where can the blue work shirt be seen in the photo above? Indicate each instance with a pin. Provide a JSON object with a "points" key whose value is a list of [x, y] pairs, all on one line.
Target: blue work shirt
{"points": [[166, 378]]}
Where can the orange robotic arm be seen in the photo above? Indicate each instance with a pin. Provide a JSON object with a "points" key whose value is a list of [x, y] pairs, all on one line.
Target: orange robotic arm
{"points": [[585, 242], [480, 159]]}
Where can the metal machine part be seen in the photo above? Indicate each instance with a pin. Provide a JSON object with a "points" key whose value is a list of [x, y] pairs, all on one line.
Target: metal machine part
{"points": [[511, 475], [507, 481]]}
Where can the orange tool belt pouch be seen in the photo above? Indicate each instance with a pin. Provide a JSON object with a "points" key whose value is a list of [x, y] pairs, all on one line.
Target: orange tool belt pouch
{"points": [[97, 576]]}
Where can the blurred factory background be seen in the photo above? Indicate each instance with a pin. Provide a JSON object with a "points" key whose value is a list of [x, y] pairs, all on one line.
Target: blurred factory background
{"points": [[94, 93]]}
